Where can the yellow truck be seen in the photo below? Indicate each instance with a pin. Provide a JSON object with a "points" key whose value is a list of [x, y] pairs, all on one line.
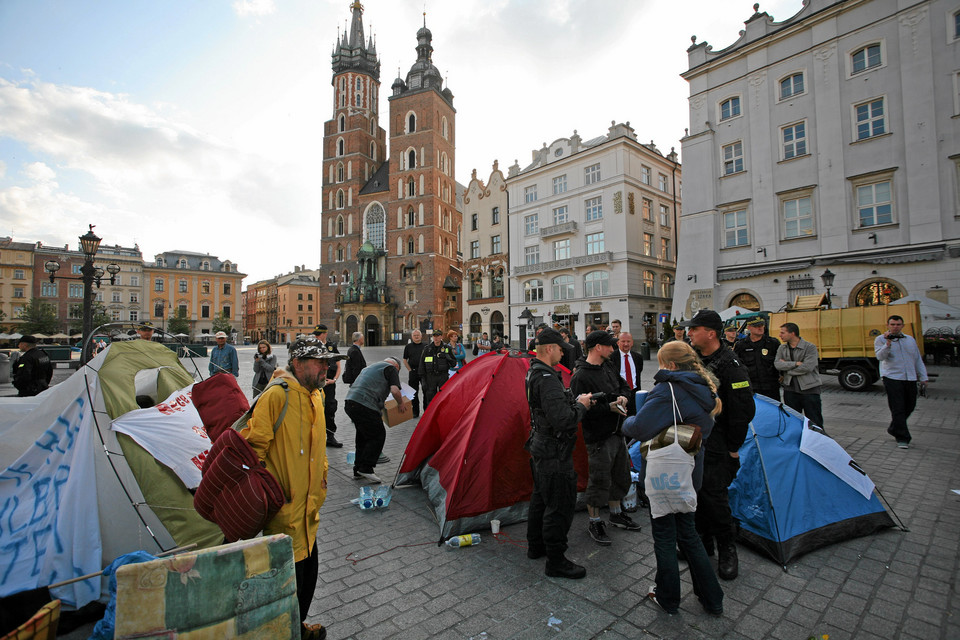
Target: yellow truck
{"points": [[844, 337]]}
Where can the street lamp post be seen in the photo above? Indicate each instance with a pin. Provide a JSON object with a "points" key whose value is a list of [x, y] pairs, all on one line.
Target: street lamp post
{"points": [[89, 274], [827, 277]]}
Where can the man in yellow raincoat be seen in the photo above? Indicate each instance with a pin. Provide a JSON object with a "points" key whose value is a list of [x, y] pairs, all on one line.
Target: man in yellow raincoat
{"points": [[296, 456]]}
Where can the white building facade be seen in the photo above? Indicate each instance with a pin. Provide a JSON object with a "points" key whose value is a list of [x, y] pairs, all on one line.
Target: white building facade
{"points": [[824, 142], [592, 235]]}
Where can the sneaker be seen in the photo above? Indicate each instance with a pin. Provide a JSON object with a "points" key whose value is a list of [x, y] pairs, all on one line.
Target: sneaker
{"points": [[598, 531], [564, 568], [903, 445], [652, 597], [332, 441], [369, 476], [383, 459], [623, 521]]}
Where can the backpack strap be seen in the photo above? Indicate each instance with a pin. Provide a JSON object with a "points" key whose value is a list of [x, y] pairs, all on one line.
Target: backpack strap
{"points": [[286, 402]]}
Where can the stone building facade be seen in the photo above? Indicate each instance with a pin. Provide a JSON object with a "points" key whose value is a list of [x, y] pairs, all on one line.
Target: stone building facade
{"points": [[486, 262]]}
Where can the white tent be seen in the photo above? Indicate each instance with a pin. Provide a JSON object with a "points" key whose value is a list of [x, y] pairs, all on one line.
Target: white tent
{"points": [[732, 312], [935, 314]]}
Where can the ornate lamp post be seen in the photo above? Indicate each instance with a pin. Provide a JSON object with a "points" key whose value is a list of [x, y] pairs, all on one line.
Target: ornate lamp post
{"points": [[827, 277], [89, 274]]}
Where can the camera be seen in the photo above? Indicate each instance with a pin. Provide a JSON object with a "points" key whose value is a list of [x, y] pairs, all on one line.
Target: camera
{"points": [[600, 397]]}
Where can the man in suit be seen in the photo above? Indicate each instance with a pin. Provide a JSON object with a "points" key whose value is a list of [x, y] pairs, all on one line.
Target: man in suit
{"points": [[629, 364]]}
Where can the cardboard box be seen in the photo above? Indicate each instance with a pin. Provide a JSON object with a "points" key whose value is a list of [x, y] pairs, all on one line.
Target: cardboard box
{"points": [[391, 413]]}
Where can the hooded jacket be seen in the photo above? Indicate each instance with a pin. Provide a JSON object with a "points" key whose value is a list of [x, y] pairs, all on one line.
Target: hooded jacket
{"points": [[694, 400]]}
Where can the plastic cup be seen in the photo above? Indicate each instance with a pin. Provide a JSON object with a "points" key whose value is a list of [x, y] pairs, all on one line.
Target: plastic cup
{"points": [[351, 457], [495, 526]]}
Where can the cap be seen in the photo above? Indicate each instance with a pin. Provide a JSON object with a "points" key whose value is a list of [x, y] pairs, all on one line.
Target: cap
{"points": [[219, 334], [310, 347], [705, 318], [595, 338], [552, 336], [757, 322], [437, 332], [730, 327], [146, 325], [28, 339], [320, 328]]}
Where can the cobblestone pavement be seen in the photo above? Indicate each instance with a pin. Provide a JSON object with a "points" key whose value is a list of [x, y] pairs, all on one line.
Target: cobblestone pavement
{"points": [[382, 574]]}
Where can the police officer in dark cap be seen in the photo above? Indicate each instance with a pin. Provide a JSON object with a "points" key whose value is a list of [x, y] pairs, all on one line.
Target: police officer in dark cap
{"points": [[758, 352], [436, 360], [33, 371], [330, 389], [554, 415], [722, 458]]}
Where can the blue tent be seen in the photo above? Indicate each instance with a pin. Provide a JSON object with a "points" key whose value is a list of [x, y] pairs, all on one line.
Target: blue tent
{"points": [[797, 489]]}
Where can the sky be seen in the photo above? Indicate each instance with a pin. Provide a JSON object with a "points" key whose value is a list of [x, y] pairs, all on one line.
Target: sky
{"points": [[197, 126]]}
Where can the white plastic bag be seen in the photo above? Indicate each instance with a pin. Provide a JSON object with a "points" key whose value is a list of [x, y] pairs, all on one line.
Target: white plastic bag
{"points": [[669, 479]]}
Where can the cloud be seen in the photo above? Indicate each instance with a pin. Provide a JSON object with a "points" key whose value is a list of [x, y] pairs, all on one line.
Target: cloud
{"points": [[39, 172], [245, 8]]}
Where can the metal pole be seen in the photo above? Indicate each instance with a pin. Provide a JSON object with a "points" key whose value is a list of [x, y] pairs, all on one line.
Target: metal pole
{"points": [[86, 272]]}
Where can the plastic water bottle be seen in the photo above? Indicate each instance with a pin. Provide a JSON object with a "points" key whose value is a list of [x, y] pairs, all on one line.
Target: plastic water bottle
{"points": [[464, 540], [366, 498], [351, 457], [382, 497]]}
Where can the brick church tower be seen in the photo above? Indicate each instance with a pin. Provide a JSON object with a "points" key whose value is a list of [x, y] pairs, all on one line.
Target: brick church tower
{"points": [[390, 223]]}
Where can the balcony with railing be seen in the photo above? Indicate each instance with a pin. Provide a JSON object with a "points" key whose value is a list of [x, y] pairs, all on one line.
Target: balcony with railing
{"points": [[567, 263], [559, 229]]}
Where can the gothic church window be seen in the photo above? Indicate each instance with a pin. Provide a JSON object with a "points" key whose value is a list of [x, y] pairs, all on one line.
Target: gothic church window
{"points": [[374, 225], [411, 123]]}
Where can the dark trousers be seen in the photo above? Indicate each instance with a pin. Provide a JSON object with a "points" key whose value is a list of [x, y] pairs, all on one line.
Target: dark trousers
{"points": [[371, 434], [431, 386], [414, 381], [902, 400], [307, 571], [806, 403], [773, 393], [714, 519], [552, 504], [679, 529], [330, 406]]}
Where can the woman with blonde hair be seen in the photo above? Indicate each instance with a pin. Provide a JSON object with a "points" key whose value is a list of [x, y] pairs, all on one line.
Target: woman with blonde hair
{"points": [[681, 376]]}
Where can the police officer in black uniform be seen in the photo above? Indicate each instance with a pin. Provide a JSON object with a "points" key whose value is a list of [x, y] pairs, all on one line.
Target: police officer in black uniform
{"points": [[757, 352], [33, 371], [554, 416], [330, 388], [436, 360], [722, 459]]}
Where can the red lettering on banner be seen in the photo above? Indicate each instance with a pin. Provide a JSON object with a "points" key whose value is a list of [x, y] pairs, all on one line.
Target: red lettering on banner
{"points": [[201, 431], [198, 459]]}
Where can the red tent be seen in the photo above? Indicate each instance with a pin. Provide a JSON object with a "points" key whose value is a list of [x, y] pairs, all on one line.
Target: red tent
{"points": [[467, 450]]}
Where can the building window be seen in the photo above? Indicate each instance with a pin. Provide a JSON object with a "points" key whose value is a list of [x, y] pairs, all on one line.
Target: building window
{"points": [[226, 313], [18, 292], [878, 292], [647, 209], [134, 281], [75, 290], [531, 224], [797, 217], [870, 119], [19, 274], [339, 253], [412, 159], [339, 226], [411, 123], [666, 286], [533, 291], [560, 184], [563, 288], [531, 255], [665, 249], [48, 289], [134, 297], [593, 208], [474, 249], [375, 222], [594, 243], [530, 193], [730, 108], [182, 286], [794, 138], [649, 278], [495, 245], [411, 188], [591, 174], [134, 315], [875, 203], [411, 247], [662, 183], [732, 158], [791, 86], [205, 287], [115, 296], [340, 200], [560, 215], [735, 232], [496, 283], [182, 263], [645, 175], [865, 58], [476, 286], [648, 244], [158, 309], [561, 249], [596, 283], [664, 215], [474, 221]]}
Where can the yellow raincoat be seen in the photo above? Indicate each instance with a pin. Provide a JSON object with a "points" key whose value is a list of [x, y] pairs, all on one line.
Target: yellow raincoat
{"points": [[296, 456]]}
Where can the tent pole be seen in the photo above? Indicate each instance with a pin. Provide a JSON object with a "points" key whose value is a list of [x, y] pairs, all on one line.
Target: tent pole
{"points": [[887, 502], [766, 484]]}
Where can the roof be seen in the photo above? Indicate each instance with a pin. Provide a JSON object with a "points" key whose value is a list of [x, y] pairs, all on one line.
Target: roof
{"points": [[379, 181]]}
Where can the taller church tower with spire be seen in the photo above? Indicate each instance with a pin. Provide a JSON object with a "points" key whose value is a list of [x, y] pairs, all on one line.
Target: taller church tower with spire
{"points": [[390, 224]]}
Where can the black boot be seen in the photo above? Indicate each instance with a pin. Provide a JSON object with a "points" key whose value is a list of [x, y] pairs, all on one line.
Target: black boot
{"points": [[563, 568], [729, 565], [332, 441]]}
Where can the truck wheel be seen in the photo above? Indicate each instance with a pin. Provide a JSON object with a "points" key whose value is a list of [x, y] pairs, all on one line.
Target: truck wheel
{"points": [[855, 378]]}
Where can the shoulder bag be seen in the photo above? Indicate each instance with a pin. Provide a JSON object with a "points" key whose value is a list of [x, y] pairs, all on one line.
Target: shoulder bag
{"points": [[669, 471]]}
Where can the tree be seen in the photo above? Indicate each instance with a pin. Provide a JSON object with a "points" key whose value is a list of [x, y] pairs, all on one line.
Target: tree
{"points": [[221, 324], [99, 312], [39, 317], [178, 323]]}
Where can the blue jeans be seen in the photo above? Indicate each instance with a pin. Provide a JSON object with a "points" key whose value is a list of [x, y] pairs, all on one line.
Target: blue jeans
{"points": [[668, 532]]}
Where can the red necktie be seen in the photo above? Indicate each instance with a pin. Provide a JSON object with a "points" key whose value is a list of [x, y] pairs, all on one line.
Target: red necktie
{"points": [[626, 368]]}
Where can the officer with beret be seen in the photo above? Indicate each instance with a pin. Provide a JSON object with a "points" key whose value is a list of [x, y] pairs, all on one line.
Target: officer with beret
{"points": [[758, 353], [722, 458], [436, 360], [33, 371], [554, 415]]}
